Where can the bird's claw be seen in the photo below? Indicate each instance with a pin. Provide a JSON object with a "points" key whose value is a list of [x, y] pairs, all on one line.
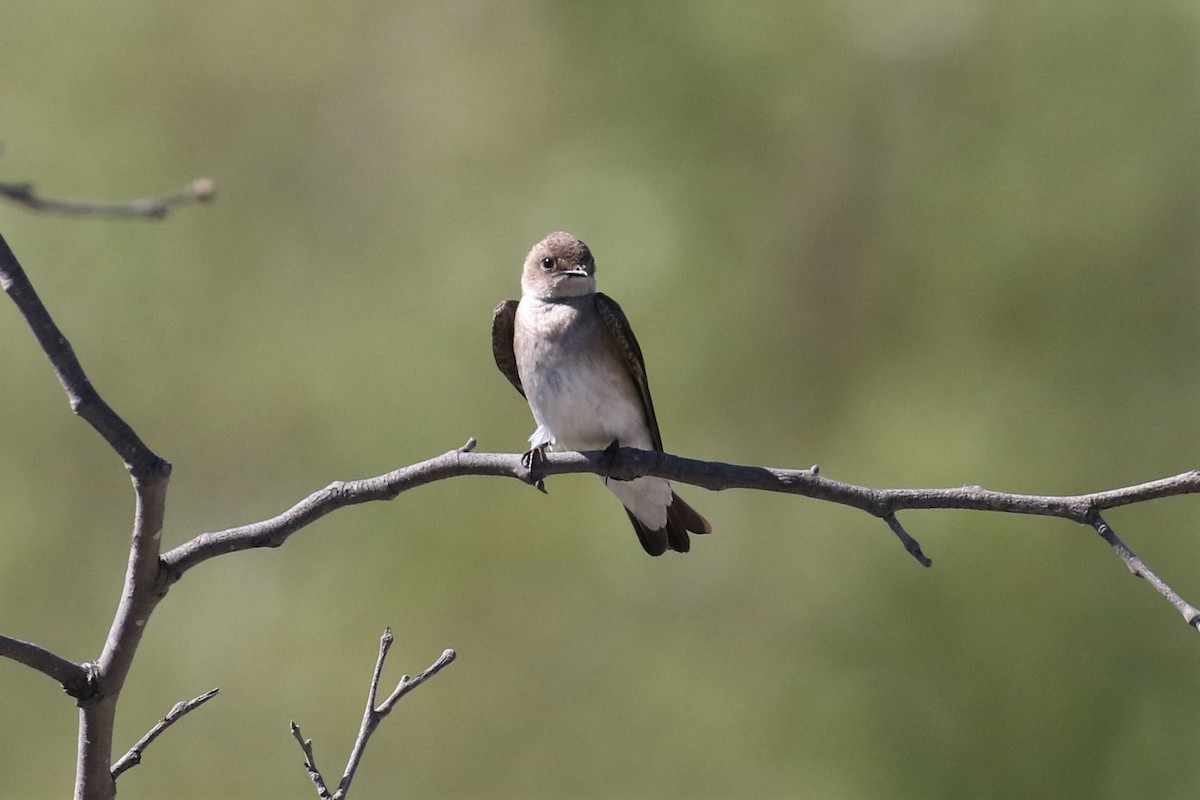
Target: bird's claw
{"points": [[532, 461], [608, 458]]}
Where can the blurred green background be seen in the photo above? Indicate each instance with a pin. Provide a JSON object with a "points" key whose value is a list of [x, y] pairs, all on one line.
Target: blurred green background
{"points": [[920, 244]]}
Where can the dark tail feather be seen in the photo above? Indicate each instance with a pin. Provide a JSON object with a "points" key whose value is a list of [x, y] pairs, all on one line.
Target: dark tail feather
{"points": [[653, 542], [688, 517], [681, 518]]}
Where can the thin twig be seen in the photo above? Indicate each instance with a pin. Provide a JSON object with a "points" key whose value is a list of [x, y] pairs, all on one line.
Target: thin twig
{"points": [[310, 763], [1139, 568], [910, 544], [407, 684], [134, 756], [372, 716], [198, 191]]}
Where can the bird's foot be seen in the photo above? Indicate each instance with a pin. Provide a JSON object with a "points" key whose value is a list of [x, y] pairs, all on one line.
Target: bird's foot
{"points": [[608, 458], [532, 461]]}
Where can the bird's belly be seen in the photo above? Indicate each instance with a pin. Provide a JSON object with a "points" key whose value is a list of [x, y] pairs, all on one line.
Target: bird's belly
{"points": [[586, 406], [593, 420]]}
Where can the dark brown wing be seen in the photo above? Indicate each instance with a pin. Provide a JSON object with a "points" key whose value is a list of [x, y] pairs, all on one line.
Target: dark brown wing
{"points": [[618, 327], [503, 320], [681, 517]]}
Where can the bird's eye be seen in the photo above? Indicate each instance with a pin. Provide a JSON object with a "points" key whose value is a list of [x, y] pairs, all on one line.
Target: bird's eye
{"points": [[547, 263]]}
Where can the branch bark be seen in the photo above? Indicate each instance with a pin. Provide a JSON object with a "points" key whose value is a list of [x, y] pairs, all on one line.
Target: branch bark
{"points": [[198, 191], [84, 399], [74, 678]]}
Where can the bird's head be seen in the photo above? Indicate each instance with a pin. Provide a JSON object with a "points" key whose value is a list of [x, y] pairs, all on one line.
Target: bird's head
{"points": [[558, 267]]}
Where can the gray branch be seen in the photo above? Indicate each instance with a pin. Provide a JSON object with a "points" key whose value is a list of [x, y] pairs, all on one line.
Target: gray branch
{"points": [[198, 191], [75, 679], [134, 756], [84, 399], [1139, 568], [630, 463], [142, 590], [372, 716]]}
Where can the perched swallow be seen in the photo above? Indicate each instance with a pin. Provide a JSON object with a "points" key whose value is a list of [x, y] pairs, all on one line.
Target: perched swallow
{"points": [[569, 350]]}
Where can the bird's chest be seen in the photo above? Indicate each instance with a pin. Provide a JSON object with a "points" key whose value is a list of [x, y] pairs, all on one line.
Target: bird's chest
{"points": [[575, 379]]}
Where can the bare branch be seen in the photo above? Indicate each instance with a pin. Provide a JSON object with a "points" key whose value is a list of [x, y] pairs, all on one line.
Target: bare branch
{"points": [[85, 400], [76, 680], [629, 463], [372, 716], [198, 191], [134, 756]]}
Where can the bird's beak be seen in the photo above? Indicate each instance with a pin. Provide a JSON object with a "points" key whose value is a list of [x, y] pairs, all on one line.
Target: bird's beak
{"points": [[581, 272]]}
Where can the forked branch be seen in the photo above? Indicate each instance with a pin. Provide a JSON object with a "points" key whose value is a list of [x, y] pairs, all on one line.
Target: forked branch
{"points": [[100, 691], [372, 716]]}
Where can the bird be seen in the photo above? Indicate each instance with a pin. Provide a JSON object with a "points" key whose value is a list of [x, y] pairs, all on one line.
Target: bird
{"points": [[569, 350]]}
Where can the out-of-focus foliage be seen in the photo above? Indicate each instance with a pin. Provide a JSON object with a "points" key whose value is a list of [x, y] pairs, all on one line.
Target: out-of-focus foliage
{"points": [[923, 243]]}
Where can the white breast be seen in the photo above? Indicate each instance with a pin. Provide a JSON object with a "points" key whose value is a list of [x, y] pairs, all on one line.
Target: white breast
{"points": [[578, 388]]}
